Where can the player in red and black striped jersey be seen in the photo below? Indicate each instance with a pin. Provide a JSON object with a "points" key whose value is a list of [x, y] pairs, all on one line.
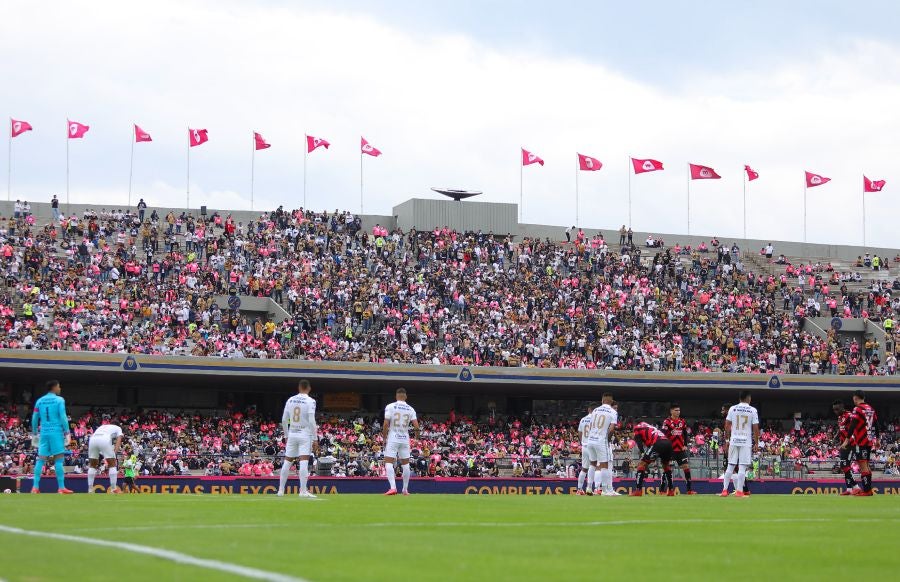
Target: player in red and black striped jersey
{"points": [[846, 454], [654, 445], [676, 429], [862, 436]]}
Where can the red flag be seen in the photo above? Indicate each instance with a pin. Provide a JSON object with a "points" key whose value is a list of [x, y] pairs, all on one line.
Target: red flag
{"points": [[314, 142], [703, 173], [141, 135], [751, 173], [77, 130], [813, 180], [367, 148], [529, 158], [588, 164], [641, 166], [198, 136], [17, 128], [261, 144], [872, 185]]}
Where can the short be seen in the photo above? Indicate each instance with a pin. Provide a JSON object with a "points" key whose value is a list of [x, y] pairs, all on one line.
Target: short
{"points": [[101, 446], [847, 455], [298, 445], [51, 444], [598, 452], [863, 453], [661, 449], [396, 449], [680, 457], [740, 454]]}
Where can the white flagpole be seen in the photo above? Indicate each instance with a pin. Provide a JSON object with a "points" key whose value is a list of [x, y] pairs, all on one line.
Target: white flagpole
{"points": [[864, 210], [745, 205], [689, 198], [67, 165], [629, 190], [804, 208], [576, 188], [252, 169], [188, 200], [9, 164], [131, 165], [521, 189], [360, 182], [305, 154]]}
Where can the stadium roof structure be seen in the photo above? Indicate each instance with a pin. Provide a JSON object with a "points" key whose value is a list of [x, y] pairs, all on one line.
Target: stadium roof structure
{"points": [[457, 195]]}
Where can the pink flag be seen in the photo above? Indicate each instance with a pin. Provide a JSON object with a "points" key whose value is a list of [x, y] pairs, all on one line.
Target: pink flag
{"points": [[751, 173], [813, 180], [872, 185], [77, 130], [261, 144], [529, 158], [367, 148], [17, 128], [703, 173], [198, 136], [314, 142], [587, 163], [641, 166], [141, 135]]}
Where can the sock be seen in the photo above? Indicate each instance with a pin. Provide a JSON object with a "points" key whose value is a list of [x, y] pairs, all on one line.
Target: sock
{"points": [[60, 473], [641, 475], [866, 481], [609, 480], [581, 476], [304, 474], [285, 475], [667, 480], [406, 473], [38, 469], [389, 473], [742, 475], [726, 482], [113, 477], [687, 479], [592, 471], [91, 473], [848, 478], [604, 473]]}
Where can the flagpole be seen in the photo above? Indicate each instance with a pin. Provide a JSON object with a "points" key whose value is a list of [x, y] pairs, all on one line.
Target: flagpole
{"points": [[252, 170], [521, 190], [576, 188], [689, 199], [9, 163], [67, 165], [864, 211], [131, 166], [360, 182], [745, 206], [629, 191], [804, 210], [188, 200], [305, 155]]}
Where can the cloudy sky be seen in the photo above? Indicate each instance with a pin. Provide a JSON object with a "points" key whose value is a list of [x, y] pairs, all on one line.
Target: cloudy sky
{"points": [[450, 91]]}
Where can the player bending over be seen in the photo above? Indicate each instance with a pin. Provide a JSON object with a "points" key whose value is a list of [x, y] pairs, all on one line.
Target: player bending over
{"points": [[847, 455], [299, 424], [862, 437], [397, 418], [653, 445], [587, 467], [603, 421], [50, 425], [741, 439], [106, 441], [675, 429]]}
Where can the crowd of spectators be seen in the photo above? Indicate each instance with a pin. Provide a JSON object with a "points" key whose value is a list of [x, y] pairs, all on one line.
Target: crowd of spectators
{"points": [[124, 282], [250, 444]]}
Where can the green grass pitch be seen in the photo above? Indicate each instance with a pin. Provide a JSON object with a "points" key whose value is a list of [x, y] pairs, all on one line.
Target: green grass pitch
{"points": [[454, 537]]}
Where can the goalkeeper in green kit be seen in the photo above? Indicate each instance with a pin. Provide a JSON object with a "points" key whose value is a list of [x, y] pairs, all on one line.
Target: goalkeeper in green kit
{"points": [[130, 467]]}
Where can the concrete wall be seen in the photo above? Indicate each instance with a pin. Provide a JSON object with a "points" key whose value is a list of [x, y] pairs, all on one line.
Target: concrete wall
{"points": [[426, 214]]}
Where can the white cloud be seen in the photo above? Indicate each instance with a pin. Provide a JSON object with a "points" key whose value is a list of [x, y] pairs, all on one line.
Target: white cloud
{"points": [[445, 110]]}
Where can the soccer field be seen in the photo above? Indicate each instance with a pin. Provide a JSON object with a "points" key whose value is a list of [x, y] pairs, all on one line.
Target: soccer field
{"points": [[447, 537]]}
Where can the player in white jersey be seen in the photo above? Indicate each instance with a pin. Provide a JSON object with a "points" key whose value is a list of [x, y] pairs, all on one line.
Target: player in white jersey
{"points": [[106, 441], [397, 419], [603, 421], [741, 439], [299, 424], [587, 468]]}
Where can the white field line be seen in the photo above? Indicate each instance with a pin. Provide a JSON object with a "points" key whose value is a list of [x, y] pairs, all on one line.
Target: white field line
{"points": [[177, 557]]}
